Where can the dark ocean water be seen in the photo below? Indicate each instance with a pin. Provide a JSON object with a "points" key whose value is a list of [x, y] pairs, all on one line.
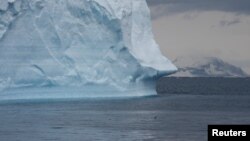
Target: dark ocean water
{"points": [[181, 112]]}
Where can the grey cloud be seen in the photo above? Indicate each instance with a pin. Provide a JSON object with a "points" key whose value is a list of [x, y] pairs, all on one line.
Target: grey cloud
{"points": [[228, 23], [178, 6]]}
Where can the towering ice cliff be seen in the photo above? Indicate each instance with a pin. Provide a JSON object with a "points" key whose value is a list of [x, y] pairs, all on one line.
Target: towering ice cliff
{"points": [[74, 48]]}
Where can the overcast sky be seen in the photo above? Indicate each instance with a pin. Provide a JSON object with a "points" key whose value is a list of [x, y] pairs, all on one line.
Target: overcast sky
{"points": [[217, 28]]}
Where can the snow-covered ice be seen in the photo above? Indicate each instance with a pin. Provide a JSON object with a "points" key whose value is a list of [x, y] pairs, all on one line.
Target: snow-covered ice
{"points": [[105, 45]]}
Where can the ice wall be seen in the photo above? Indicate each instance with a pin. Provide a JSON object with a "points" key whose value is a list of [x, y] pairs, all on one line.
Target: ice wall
{"points": [[104, 45]]}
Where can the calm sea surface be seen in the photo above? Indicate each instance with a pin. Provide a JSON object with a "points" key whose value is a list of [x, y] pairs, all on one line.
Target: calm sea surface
{"points": [[181, 112]]}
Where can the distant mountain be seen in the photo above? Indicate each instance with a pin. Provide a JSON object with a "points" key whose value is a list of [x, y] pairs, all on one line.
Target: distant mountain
{"points": [[207, 67]]}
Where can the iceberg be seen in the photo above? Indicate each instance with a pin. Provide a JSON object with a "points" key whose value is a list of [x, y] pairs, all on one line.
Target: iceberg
{"points": [[80, 48]]}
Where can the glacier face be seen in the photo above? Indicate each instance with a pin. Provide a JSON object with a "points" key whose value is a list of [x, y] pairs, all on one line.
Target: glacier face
{"points": [[80, 43]]}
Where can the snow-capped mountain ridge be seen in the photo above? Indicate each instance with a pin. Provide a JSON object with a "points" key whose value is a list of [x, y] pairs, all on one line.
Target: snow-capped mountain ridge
{"points": [[207, 67]]}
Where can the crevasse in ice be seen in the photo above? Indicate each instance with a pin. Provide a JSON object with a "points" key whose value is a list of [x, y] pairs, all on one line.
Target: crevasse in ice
{"points": [[88, 46]]}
